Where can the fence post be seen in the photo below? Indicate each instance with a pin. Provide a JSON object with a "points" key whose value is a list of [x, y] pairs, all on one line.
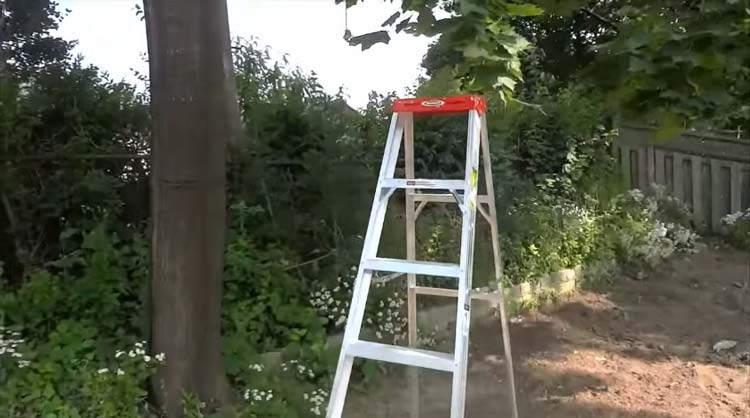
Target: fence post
{"points": [[736, 187], [643, 183], [715, 194], [650, 169], [625, 165], [678, 179], [697, 164], [659, 177]]}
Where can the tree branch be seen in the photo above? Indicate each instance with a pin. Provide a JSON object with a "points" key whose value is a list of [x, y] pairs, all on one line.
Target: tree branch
{"points": [[21, 254], [314, 260], [609, 22]]}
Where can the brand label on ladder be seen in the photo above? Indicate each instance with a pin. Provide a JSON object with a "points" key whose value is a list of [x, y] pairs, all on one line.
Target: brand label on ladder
{"points": [[433, 103]]}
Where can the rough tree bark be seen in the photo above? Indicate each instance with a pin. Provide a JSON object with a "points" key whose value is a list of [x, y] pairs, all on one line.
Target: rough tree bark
{"points": [[195, 116]]}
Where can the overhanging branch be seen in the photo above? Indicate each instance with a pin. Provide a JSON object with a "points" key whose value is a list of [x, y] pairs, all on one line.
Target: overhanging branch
{"points": [[609, 22]]}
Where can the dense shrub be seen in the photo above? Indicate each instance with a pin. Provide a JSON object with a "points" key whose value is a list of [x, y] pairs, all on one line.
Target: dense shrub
{"points": [[546, 236], [56, 128], [70, 343], [70, 336], [736, 228], [99, 284], [68, 376], [265, 308], [637, 231]]}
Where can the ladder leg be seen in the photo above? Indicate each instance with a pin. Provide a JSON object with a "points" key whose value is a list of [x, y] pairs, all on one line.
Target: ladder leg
{"points": [[345, 363], [364, 278], [463, 310], [411, 254], [411, 244], [498, 265]]}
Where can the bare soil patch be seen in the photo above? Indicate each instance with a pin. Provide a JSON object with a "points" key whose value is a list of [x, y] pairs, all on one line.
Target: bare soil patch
{"points": [[631, 349]]}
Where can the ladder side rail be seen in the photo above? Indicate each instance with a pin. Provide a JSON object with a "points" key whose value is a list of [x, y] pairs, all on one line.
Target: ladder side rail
{"points": [[460, 352], [411, 254], [362, 282], [411, 241], [492, 219]]}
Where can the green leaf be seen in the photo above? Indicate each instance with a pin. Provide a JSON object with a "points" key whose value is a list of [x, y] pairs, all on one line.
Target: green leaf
{"points": [[524, 10], [639, 64], [391, 20], [497, 27], [474, 51], [472, 7], [517, 45], [709, 60], [560, 7], [97, 239], [425, 21], [402, 24], [638, 40], [670, 126], [694, 85], [505, 82], [369, 39]]}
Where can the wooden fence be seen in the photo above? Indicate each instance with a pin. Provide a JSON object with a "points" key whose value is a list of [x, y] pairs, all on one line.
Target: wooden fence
{"points": [[710, 173]]}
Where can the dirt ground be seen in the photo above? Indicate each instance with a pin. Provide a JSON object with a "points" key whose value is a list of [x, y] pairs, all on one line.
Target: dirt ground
{"points": [[634, 349]]}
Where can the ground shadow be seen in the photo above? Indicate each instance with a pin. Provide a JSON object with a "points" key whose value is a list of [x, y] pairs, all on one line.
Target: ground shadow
{"points": [[633, 349]]}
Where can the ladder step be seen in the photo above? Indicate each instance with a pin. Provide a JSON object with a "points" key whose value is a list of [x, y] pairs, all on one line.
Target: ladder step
{"points": [[490, 296], [427, 268], [444, 198], [423, 184], [402, 355]]}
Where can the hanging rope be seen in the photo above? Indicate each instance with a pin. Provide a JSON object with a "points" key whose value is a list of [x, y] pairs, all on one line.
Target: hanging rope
{"points": [[347, 32]]}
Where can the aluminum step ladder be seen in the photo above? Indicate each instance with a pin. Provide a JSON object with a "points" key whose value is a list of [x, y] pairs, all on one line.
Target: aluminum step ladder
{"points": [[464, 192]]}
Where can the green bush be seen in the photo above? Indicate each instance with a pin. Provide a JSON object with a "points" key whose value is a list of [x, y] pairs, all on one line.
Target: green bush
{"points": [[265, 308], [545, 236], [736, 229], [281, 390], [638, 230], [60, 348], [102, 284], [64, 326], [69, 375]]}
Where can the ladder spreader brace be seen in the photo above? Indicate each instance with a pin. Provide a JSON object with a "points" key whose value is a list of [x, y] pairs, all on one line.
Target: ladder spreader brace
{"points": [[402, 129]]}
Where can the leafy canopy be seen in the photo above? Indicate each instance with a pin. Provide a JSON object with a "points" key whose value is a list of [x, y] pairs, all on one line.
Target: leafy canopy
{"points": [[480, 31], [676, 62], [683, 61]]}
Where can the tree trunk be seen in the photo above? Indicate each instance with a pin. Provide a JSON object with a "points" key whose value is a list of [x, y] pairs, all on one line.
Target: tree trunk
{"points": [[195, 116]]}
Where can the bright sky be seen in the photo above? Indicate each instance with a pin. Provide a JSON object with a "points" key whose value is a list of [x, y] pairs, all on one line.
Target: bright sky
{"points": [[311, 31]]}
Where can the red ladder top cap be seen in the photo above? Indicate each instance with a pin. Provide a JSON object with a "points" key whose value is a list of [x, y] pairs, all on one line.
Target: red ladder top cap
{"points": [[434, 105]]}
